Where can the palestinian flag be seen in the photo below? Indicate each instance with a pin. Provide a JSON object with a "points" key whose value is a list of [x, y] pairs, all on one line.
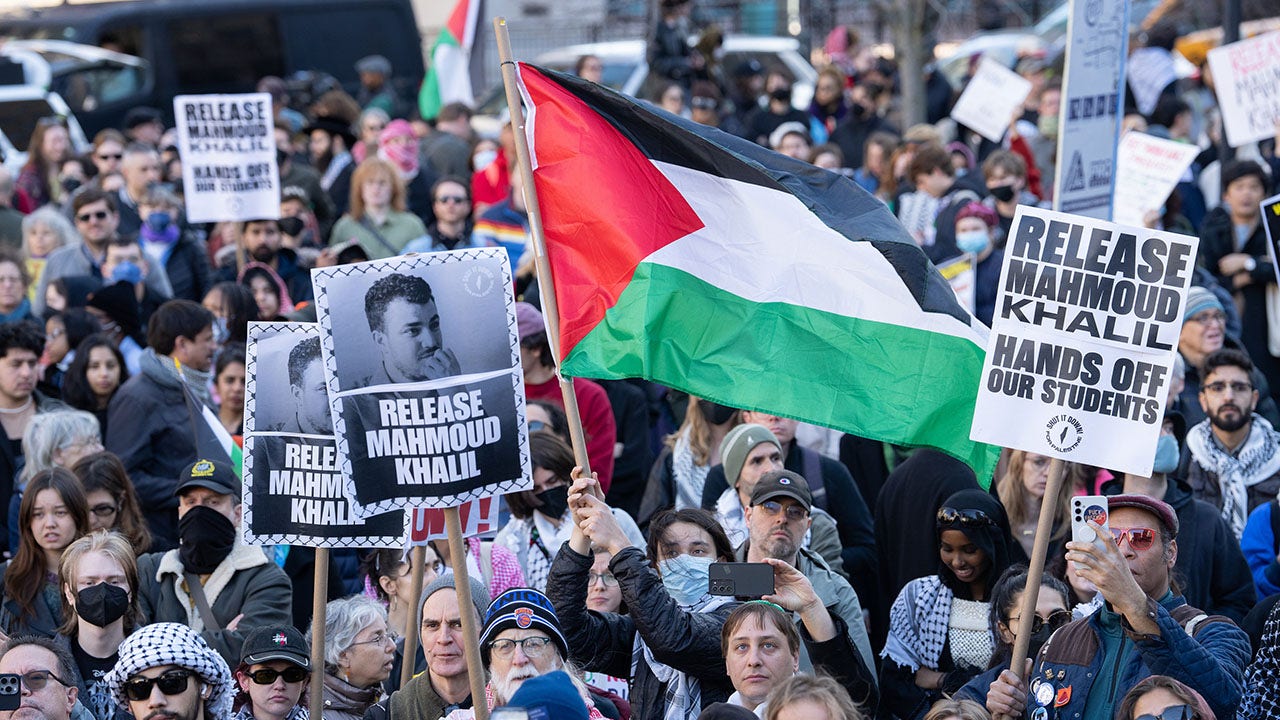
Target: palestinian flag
{"points": [[449, 75], [212, 440], [707, 263]]}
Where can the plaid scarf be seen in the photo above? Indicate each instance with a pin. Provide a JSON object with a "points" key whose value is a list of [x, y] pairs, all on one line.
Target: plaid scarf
{"points": [[683, 700], [689, 476], [1255, 461]]}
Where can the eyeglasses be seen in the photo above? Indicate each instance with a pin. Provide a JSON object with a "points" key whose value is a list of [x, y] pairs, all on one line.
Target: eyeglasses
{"points": [[96, 215], [1056, 619], [37, 679], [532, 647], [109, 156], [605, 577], [773, 507], [174, 682], [964, 518], [451, 199], [1173, 712], [104, 511], [1219, 387], [1209, 316], [17, 280], [703, 103], [266, 676], [1140, 539], [379, 638]]}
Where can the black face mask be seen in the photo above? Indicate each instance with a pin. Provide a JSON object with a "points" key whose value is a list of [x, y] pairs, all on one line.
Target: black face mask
{"points": [[781, 94], [1003, 193], [205, 539], [859, 110], [102, 604], [554, 501], [715, 413], [291, 226]]}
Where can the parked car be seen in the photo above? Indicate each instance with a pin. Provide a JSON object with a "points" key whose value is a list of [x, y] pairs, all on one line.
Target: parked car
{"points": [[626, 70], [215, 46]]}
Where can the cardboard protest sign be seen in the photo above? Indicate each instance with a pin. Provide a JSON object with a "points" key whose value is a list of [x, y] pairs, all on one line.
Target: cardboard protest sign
{"points": [[293, 493], [422, 361], [1147, 170], [1092, 104], [1246, 77], [228, 149], [989, 100], [479, 517], [961, 274], [1271, 223], [1082, 343]]}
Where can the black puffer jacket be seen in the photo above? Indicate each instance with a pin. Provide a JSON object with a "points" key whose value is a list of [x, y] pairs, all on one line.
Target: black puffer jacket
{"points": [[603, 642], [188, 268]]}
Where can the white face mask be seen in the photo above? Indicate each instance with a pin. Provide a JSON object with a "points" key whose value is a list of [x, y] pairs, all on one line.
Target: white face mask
{"points": [[483, 159]]}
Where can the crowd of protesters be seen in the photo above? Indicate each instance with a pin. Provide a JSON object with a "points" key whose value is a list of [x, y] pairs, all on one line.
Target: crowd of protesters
{"points": [[898, 579]]}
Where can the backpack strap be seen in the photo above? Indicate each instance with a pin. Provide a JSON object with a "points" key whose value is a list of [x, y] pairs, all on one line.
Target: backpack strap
{"points": [[1275, 525], [811, 461]]}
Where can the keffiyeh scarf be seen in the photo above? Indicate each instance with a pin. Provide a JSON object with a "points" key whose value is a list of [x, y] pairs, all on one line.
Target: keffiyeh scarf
{"points": [[1256, 461], [174, 644], [683, 700], [689, 475], [918, 624], [1260, 701]]}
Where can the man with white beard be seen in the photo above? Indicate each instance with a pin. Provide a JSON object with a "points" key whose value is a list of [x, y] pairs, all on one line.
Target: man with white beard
{"points": [[521, 639]]}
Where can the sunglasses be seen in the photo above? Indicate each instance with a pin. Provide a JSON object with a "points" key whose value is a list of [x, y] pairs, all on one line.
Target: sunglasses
{"points": [[37, 679], [174, 682], [451, 199], [1174, 712], [1140, 539], [110, 156], [266, 676], [104, 511], [96, 215], [1056, 619], [964, 518]]}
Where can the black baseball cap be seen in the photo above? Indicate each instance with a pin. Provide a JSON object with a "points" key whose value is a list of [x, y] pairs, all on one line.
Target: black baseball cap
{"points": [[216, 476], [283, 642], [782, 483]]}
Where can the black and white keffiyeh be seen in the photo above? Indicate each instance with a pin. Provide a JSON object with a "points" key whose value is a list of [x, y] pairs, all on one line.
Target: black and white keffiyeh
{"points": [[683, 699], [1260, 701], [918, 624], [174, 644], [1255, 461]]}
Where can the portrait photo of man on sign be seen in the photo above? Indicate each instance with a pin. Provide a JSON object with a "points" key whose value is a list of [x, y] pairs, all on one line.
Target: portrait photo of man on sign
{"points": [[405, 324]]}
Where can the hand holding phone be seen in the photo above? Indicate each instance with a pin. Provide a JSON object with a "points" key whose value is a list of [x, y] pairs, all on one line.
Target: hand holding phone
{"points": [[748, 581], [1086, 509]]}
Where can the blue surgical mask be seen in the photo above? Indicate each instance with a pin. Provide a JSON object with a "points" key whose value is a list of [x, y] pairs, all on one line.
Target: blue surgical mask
{"points": [[158, 221], [1166, 455], [686, 578], [973, 242], [220, 332], [483, 159], [128, 271]]}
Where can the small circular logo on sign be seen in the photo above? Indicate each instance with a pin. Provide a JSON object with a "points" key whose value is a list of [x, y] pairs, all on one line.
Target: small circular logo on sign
{"points": [[479, 281], [1064, 433]]}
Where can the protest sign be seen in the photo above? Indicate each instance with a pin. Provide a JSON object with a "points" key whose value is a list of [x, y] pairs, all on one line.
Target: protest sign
{"points": [[1246, 77], [1092, 99], [989, 100], [1147, 170], [293, 493], [422, 362], [1082, 343], [228, 149], [479, 517], [960, 273]]}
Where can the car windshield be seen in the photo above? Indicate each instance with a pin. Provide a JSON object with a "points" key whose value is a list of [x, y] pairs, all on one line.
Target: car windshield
{"points": [[18, 119]]}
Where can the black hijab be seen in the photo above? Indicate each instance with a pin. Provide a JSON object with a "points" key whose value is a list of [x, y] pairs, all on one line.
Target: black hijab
{"points": [[994, 539]]}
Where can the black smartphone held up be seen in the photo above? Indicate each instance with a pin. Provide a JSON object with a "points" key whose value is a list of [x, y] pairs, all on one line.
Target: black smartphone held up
{"points": [[741, 580], [10, 692]]}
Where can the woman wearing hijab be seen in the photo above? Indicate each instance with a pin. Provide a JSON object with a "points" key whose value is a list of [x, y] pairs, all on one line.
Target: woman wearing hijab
{"points": [[939, 634]]}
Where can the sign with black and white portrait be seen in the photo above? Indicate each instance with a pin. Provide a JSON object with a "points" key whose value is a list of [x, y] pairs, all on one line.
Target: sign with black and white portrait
{"points": [[293, 492], [422, 362]]}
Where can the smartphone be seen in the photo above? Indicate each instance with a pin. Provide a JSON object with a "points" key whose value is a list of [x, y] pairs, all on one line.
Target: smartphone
{"points": [[1085, 509], [10, 692], [741, 580]]}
